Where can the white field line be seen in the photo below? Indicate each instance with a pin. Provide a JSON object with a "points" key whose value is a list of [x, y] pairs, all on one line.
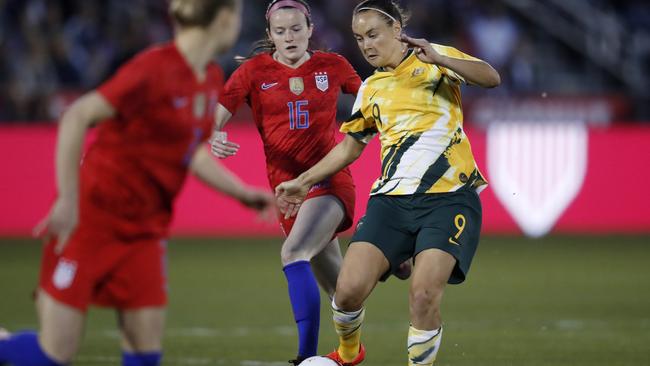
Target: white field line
{"points": [[389, 327], [187, 361], [203, 332]]}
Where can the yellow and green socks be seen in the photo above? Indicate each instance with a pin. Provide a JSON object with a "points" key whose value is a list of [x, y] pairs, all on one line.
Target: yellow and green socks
{"points": [[348, 327], [423, 346]]}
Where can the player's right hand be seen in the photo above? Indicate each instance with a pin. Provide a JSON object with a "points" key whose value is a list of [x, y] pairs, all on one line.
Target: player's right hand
{"points": [[290, 195], [221, 147], [60, 223]]}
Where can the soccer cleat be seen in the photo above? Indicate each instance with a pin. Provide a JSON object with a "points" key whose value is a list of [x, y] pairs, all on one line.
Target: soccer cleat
{"points": [[297, 361], [357, 360]]}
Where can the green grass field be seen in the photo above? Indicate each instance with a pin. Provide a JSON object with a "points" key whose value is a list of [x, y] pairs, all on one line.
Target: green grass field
{"points": [[556, 301]]}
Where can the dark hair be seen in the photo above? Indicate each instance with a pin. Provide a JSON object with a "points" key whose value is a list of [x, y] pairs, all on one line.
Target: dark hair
{"points": [[197, 13], [390, 7], [265, 44], [303, 2]]}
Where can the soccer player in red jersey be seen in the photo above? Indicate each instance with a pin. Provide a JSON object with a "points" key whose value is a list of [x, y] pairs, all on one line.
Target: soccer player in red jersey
{"points": [[113, 213], [293, 93]]}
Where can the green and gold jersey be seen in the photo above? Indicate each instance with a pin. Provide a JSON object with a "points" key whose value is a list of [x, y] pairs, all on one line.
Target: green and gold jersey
{"points": [[416, 110]]}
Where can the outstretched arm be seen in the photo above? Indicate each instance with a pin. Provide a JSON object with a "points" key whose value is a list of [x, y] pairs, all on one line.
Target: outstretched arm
{"points": [[221, 179], [292, 193], [342, 155], [475, 72]]}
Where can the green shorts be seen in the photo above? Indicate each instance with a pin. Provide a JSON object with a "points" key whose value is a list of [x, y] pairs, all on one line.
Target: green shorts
{"points": [[403, 226]]}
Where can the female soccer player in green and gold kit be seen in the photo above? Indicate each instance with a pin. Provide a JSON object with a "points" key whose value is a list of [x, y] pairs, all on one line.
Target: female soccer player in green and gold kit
{"points": [[425, 204]]}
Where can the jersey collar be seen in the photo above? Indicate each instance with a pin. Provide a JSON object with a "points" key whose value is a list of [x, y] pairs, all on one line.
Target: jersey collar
{"points": [[406, 61], [311, 57]]}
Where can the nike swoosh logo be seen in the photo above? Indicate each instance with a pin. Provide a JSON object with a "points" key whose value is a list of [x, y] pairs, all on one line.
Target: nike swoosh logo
{"points": [[266, 86], [453, 241]]}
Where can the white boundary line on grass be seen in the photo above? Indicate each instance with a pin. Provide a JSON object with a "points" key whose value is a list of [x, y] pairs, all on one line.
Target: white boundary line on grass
{"points": [[204, 332], [180, 361]]}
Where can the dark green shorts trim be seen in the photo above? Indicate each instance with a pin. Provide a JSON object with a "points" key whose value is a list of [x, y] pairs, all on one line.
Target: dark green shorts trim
{"points": [[403, 226]]}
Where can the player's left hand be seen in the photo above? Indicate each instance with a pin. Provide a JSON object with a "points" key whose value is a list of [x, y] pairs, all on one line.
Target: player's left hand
{"points": [[290, 195], [423, 49]]}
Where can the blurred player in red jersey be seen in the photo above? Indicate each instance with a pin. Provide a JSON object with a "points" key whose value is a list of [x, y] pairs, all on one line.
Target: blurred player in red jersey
{"points": [[293, 93], [112, 215]]}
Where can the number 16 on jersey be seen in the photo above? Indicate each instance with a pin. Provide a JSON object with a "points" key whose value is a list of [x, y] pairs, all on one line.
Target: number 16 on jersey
{"points": [[298, 115]]}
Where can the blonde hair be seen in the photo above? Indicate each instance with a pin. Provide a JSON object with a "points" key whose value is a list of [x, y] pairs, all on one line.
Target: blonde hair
{"points": [[197, 13]]}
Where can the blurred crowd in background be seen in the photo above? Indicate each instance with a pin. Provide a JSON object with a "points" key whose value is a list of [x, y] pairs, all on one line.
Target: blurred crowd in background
{"points": [[53, 50]]}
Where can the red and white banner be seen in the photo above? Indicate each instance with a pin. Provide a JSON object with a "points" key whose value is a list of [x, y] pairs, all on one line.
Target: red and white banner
{"points": [[562, 178]]}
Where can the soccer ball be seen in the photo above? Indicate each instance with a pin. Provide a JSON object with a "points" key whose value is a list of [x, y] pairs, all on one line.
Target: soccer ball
{"points": [[319, 361]]}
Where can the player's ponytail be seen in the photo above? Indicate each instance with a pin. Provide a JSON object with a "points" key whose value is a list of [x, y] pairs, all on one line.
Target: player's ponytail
{"points": [[197, 13], [389, 9], [264, 45]]}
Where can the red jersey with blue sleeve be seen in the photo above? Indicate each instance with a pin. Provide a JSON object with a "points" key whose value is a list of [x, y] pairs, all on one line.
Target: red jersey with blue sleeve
{"points": [[295, 113], [139, 161]]}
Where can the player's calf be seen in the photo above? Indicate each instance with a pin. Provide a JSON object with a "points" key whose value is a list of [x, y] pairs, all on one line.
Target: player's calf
{"points": [[424, 306], [305, 303]]}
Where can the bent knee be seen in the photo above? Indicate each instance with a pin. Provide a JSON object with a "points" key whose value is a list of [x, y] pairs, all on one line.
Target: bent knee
{"points": [[139, 342], [349, 295], [291, 254], [138, 339]]}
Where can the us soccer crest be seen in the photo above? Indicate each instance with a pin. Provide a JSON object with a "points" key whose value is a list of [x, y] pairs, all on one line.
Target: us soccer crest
{"points": [[322, 83], [64, 273], [296, 85], [537, 170]]}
